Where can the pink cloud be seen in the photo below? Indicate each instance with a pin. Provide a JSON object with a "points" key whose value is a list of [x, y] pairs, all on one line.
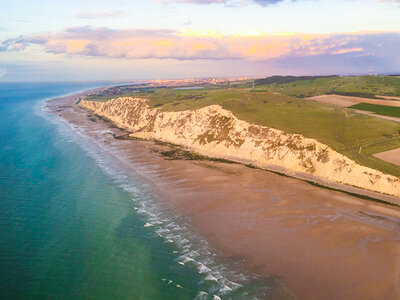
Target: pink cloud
{"points": [[100, 14], [190, 45], [347, 50]]}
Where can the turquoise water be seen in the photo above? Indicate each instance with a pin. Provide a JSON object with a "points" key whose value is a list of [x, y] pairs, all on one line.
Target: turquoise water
{"points": [[72, 227]]}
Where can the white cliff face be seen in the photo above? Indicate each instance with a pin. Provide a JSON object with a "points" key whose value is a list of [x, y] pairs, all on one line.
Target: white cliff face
{"points": [[216, 132]]}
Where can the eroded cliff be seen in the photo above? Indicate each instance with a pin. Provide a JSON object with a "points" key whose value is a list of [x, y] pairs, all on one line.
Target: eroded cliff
{"points": [[216, 132]]}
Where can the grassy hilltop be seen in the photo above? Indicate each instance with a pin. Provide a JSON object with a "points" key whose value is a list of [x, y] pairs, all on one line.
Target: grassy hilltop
{"points": [[281, 106]]}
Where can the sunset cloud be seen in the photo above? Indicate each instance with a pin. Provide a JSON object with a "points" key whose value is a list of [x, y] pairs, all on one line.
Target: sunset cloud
{"points": [[15, 44], [204, 45]]}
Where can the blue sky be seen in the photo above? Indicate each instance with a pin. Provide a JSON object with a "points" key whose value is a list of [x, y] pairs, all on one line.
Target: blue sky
{"points": [[110, 40]]}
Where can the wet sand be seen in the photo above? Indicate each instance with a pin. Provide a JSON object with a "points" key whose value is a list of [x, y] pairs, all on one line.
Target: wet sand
{"points": [[321, 244]]}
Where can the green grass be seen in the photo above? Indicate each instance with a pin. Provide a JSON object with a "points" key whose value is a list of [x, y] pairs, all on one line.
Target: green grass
{"points": [[381, 146], [390, 111], [105, 97], [342, 129], [361, 86]]}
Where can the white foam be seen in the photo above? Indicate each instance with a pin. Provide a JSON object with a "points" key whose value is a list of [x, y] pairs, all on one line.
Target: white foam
{"points": [[187, 259], [201, 296], [168, 281], [225, 289], [203, 269], [209, 277], [165, 224]]}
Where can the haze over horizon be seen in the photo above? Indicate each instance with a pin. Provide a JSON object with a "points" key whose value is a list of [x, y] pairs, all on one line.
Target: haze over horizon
{"points": [[170, 39]]}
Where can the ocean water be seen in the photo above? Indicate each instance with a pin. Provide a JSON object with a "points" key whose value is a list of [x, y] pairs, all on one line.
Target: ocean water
{"points": [[74, 226]]}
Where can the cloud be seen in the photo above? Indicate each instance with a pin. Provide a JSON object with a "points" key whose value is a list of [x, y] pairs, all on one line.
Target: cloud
{"points": [[347, 50], [100, 14], [15, 44], [231, 3], [206, 45], [266, 2]]}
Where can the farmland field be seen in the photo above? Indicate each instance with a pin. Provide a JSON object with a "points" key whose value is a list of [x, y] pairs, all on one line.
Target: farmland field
{"points": [[383, 110]]}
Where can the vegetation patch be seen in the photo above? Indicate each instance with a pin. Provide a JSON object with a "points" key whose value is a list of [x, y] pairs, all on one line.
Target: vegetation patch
{"points": [[360, 86], [177, 152], [287, 79], [383, 110]]}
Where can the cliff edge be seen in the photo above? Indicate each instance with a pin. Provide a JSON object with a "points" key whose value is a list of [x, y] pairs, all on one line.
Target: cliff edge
{"points": [[216, 132]]}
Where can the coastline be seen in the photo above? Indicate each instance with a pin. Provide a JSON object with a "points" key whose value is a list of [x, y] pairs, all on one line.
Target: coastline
{"points": [[217, 132], [316, 244]]}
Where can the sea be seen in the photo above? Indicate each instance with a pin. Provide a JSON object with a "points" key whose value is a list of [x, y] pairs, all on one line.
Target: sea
{"points": [[75, 226]]}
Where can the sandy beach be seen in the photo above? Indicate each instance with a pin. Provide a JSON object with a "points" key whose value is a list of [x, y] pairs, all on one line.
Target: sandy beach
{"points": [[321, 244]]}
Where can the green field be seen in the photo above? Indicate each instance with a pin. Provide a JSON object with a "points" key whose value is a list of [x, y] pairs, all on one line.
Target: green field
{"points": [[342, 129], [390, 111], [360, 86]]}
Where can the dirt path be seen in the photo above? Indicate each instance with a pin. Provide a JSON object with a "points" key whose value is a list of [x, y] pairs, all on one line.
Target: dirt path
{"points": [[368, 113]]}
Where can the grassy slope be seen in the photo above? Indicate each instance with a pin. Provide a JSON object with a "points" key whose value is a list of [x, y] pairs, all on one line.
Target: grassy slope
{"points": [[342, 129]]}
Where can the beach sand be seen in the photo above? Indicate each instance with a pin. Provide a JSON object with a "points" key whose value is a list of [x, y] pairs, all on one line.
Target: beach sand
{"points": [[321, 244]]}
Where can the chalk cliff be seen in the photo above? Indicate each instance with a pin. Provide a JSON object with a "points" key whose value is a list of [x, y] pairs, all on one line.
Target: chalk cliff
{"points": [[216, 132]]}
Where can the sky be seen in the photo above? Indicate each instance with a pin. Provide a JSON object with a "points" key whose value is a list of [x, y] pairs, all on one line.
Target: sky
{"points": [[89, 40]]}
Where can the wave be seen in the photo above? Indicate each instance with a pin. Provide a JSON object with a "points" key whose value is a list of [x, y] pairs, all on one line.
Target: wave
{"points": [[192, 249]]}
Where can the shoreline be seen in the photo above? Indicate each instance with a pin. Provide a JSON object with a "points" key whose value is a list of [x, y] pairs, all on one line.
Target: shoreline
{"points": [[186, 154], [236, 207], [217, 132]]}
